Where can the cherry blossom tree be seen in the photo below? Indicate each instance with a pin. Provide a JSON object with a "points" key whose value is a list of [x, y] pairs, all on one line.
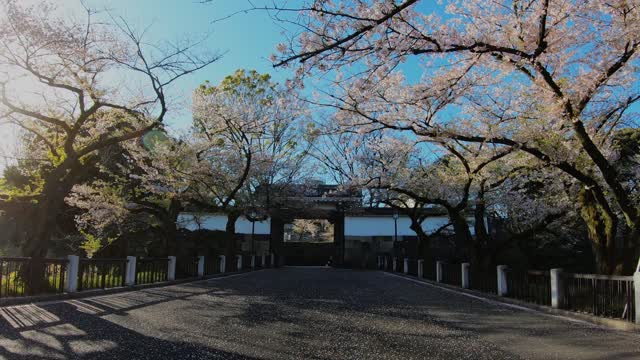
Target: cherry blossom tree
{"points": [[136, 191], [340, 156], [242, 145], [79, 86], [248, 144], [553, 79], [445, 175]]}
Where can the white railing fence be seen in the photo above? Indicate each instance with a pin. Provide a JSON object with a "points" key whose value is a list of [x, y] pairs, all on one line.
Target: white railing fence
{"points": [[604, 296]]}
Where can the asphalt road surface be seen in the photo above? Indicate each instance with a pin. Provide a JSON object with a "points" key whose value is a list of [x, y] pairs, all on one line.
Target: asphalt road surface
{"points": [[299, 313]]}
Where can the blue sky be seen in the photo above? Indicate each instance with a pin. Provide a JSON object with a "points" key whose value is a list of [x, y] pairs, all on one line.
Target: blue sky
{"points": [[247, 39]]}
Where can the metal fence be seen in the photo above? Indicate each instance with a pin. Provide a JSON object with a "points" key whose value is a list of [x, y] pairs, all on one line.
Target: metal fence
{"points": [[429, 270], [529, 285], [399, 265], [452, 274], [24, 276], [20, 276], [232, 264], [485, 281], [101, 273], [246, 261], [54, 273], [151, 270], [388, 263], [211, 265], [186, 267], [600, 295], [276, 261], [412, 267]]}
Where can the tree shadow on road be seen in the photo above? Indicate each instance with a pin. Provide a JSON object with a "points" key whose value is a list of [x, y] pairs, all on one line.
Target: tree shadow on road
{"points": [[77, 329]]}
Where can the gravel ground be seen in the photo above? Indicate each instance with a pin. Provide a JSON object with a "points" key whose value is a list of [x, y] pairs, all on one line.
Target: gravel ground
{"points": [[299, 313]]}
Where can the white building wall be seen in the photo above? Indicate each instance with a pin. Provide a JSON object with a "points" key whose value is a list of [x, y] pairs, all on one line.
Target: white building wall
{"points": [[219, 222], [353, 225], [384, 226]]}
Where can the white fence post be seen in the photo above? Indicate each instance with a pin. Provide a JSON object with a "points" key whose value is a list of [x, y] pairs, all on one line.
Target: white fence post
{"points": [[502, 280], [273, 259], [73, 267], [171, 270], [239, 257], [386, 263], [263, 260], [223, 263], [200, 266], [557, 288], [438, 271], [130, 279], [406, 266], [636, 286], [394, 264], [253, 262], [420, 268], [465, 275]]}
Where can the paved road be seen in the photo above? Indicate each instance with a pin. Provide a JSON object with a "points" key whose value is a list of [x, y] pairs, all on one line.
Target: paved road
{"points": [[295, 313]]}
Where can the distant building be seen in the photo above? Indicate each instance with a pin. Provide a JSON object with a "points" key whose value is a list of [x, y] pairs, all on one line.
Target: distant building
{"points": [[358, 233]]}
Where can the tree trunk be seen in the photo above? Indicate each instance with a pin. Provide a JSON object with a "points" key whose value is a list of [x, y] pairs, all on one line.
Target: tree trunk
{"points": [[42, 224], [230, 230], [484, 257], [169, 224], [602, 228], [463, 238], [423, 238], [631, 251]]}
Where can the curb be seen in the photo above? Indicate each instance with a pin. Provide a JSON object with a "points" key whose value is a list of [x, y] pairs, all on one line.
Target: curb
{"points": [[608, 323], [99, 292]]}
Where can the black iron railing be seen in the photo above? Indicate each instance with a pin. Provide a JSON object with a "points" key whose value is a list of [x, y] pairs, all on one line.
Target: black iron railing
{"points": [[412, 267], [232, 263], [399, 264], [101, 273], [55, 272], [246, 261], [529, 285], [485, 281], [211, 265], [151, 270], [20, 276], [600, 295], [387, 263], [186, 267], [451, 274], [429, 269]]}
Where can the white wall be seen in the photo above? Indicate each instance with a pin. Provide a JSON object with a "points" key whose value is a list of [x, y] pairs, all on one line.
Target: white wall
{"points": [[383, 225], [219, 222], [353, 225]]}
